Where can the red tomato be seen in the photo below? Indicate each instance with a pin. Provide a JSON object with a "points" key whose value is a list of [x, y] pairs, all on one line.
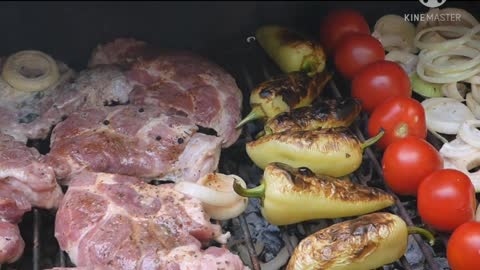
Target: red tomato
{"points": [[463, 248], [339, 22], [446, 199], [406, 162], [378, 82], [399, 117], [355, 51]]}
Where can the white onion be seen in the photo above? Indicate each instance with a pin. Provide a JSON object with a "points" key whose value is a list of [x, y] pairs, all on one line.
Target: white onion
{"points": [[33, 60], [216, 192], [454, 90], [456, 149], [476, 92], [445, 115], [469, 133], [207, 195], [395, 33], [227, 212], [473, 105], [464, 161], [465, 33], [408, 61], [449, 60], [474, 80]]}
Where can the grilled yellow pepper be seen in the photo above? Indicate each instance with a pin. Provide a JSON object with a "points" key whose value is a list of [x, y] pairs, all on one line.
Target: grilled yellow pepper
{"points": [[330, 113], [292, 195], [365, 243], [334, 152], [290, 50], [283, 93]]}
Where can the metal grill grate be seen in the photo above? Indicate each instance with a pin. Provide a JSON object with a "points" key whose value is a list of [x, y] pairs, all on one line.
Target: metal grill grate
{"points": [[249, 65]]}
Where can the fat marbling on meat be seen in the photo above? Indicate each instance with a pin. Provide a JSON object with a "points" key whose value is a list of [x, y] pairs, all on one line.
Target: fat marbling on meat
{"points": [[110, 221], [182, 80], [143, 141], [25, 181]]}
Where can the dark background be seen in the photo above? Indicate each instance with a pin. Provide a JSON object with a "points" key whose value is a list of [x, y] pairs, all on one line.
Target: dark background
{"points": [[70, 30]]}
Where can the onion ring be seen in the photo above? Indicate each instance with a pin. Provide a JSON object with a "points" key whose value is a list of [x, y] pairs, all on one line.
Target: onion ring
{"points": [[45, 69]]}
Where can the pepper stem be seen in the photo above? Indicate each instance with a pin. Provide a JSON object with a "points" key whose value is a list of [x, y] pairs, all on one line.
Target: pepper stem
{"points": [[425, 233], [373, 140], [256, 192], [256, 113], [260, 134], [309, 65]]}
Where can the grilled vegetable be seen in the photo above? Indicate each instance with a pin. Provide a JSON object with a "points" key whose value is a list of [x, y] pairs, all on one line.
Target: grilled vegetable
{"points": [[290, 50], [42, 68], [365, 243], [292, 195], [335, 152], [322, 114], [283, 93]]}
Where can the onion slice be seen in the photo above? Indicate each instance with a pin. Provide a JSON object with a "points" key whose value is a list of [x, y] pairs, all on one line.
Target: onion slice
{"points": [[408, 61], [205, 194], [227, 212], [476, 92], [469, 133], [446, 115], [216, 193], [43, 68], [473, 105], [395, 33], [456, 149], [455, 90]]}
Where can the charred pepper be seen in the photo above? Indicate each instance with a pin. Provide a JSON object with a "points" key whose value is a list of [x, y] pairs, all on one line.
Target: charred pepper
{"points": [[365, 243], [290, 50], [335, 152], [329, 113], [290, 195], [283, 93]]}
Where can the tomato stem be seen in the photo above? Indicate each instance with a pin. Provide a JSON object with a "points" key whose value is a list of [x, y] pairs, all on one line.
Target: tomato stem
{"points": [[256, 113], [425, 233], [373, 140]]}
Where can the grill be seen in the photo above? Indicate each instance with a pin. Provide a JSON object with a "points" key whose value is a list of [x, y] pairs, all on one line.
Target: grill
{"points": [[249, 65], [37, 227]]}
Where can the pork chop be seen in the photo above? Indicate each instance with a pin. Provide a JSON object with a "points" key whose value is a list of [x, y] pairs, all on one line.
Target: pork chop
{"points": [[143, 141], [110, 221], [20, 110], [23, 171], [181, 80], [25, 181], [26, 115], [11, 243]]}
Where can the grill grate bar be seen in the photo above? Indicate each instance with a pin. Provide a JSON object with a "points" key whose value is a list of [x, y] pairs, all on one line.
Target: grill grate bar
{"points": [[427, 252], [61, 255], [249, 243], [36, 239]]}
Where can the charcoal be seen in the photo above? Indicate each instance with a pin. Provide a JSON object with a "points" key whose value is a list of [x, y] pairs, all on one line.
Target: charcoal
{"points": [[442, 263], [414, 254], [262, 231]]}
